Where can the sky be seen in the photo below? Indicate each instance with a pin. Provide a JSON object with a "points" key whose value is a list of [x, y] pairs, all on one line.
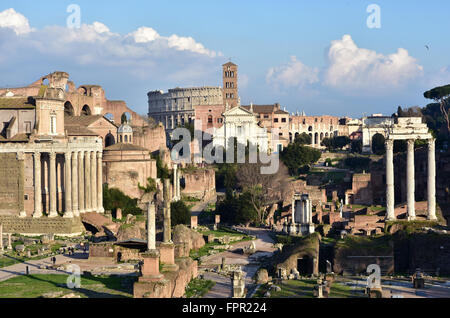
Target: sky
{"points": [[336, 57]]}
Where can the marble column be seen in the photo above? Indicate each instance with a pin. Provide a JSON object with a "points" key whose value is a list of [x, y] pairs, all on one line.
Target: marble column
{"points": [[87, 181], [37, 186], [431, 193], [175, 182], [9, 242], [151, 226], [21, 159], [167, 235], [68, 185], [410, 180], [100, 208], [390, 194], [94, 203], [81, 197], [1, 237], [53, 212], [75, 206]]}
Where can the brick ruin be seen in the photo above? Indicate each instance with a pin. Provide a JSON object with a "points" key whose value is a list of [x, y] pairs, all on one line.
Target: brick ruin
{"points": [[200, 184]]}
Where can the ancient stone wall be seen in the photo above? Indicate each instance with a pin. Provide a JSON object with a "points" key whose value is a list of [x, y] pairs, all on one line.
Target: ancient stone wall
{"points": [[200, 184], [11, 184], [34, 227], [125, 175]]}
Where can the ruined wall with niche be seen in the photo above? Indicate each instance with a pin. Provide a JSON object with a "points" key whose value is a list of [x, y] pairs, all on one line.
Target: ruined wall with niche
{"points": [[11, 184]]}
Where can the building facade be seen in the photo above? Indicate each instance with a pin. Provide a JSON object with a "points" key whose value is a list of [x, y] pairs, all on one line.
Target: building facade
{"points": [[50, 169], [177, 106]]}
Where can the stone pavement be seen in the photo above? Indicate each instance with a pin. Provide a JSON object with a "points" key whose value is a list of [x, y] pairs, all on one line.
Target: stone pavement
{"points": [[249, 263]]}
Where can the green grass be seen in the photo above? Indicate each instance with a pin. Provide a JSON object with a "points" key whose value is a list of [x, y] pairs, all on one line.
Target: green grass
{"points": [[34, 286], [198, 288], [304, 289]]}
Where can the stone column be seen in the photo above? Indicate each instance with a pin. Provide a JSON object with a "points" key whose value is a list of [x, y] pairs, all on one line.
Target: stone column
{"points": [[94, 203], [167, 226], [410, 182], [1, 237], [75, 206], [37, 186], [53, 212], [81, 197], [87, 181], [390, 194], [100, 208], [9, 242], [431, 193], [151, 227], [175, 178], [68, 185], [21, 159]]}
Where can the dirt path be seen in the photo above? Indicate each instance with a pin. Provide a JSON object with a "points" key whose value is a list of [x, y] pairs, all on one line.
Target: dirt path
{"points": [[249, 263]]}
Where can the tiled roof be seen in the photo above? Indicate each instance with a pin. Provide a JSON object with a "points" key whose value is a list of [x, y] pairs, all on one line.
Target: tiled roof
{"points": [[81, 120], [281, 112], [17, 103], [79, 131], [261, 108], [125, 147], [16, 138]]}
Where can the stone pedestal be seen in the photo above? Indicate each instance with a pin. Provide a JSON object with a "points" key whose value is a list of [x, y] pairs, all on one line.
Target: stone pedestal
{"points": [[167, 256], [150, 268], [194, 222]]}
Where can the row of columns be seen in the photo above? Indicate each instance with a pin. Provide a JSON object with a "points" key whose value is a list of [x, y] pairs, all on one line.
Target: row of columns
{"points": [[410, 180], [83, 188]]}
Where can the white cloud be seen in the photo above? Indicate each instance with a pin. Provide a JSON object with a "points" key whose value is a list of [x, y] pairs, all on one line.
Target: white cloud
{"points": [[12, 20], [292, 74], [145, 35], [351, 67], [180, 43]]}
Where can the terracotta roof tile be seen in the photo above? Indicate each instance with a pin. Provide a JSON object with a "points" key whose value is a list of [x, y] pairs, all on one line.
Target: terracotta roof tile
{"points": [[17, 103]]}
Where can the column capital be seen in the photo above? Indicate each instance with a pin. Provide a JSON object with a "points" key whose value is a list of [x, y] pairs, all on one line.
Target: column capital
{"points": [[75, 154], [68, 155], [81, 154], [431, 144], [410, 143], [389, 144], [52, 155], [99, 155]]}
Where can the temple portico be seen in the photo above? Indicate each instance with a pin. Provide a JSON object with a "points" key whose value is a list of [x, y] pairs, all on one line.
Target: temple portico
{"points": [[410, 129]]}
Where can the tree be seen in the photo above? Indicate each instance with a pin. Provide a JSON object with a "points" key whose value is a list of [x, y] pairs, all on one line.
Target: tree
{"points": [[337, 142], [378, 144], [356, 146], [180, 213], [296, 157], [263, 189], [303, 139], [441, 95], [114, 199], [238, 210]]}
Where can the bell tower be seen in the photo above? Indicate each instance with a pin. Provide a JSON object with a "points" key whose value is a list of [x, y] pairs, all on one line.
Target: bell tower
{"points": [[230, 84]]}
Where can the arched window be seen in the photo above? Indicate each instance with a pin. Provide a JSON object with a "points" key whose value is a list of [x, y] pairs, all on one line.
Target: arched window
{"points": [[68, 109], [126, 138], [86, 111], [121, 138]]}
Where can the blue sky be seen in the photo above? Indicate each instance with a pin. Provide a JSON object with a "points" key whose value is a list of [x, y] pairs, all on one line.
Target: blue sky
{"points": [[317, 56]]}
